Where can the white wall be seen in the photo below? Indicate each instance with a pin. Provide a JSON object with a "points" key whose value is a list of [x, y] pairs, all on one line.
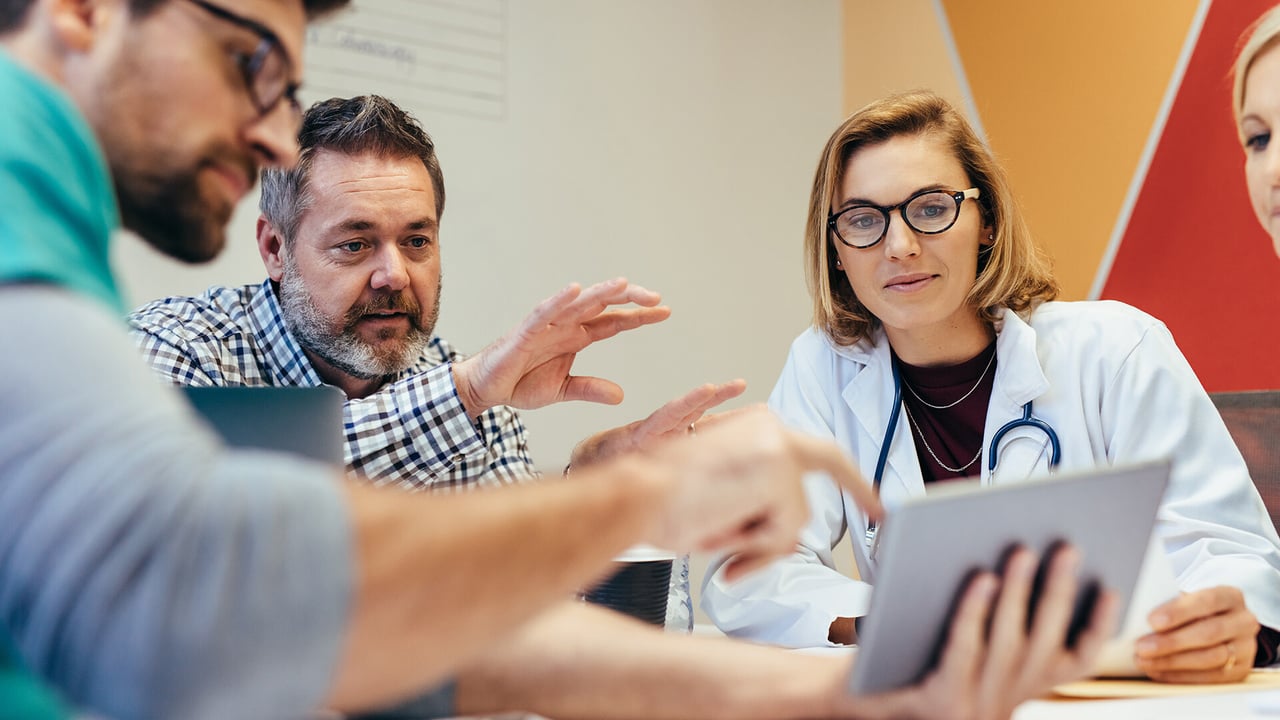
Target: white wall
{"points": [[671, 141]]}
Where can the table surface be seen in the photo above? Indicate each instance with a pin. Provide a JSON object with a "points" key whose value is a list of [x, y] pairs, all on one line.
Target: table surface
{"points": [[1216, 706]]}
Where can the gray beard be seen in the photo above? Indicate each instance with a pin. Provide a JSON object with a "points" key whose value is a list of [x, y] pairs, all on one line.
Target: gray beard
{"points": [[342, 348]]}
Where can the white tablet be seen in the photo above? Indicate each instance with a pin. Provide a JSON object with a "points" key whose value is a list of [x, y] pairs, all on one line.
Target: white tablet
{"points": [[930, 547]]}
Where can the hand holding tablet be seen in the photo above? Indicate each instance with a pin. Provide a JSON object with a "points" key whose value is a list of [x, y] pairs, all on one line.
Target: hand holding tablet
{"points": [[937, 550]]}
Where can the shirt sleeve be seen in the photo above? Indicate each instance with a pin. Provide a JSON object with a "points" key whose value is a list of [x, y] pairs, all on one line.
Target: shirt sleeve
{"points": [[1215, 529], [145, 570], [793, 601], [416, 433]]}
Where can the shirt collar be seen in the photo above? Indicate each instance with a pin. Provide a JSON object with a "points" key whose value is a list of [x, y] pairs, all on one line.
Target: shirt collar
{"points": [[285, 360]]}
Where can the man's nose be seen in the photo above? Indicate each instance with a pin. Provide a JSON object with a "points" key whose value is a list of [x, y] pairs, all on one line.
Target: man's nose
{"points": [[274, 137], [391, 272]]}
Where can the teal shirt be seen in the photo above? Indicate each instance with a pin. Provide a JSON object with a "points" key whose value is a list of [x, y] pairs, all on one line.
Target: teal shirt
{"points": [[57, 205], [21, 697], [57, 213]]}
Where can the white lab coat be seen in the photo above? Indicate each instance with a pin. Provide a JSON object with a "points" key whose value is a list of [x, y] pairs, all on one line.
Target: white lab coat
{"points": [[1111, 382]]}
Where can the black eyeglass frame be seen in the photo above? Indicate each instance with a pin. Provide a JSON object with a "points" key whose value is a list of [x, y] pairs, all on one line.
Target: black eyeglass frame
{"points": [[959, 196], [251, 65]]}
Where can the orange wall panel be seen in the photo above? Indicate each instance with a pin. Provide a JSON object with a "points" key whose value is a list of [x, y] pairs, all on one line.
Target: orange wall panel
{"points": [[1067, 93]]}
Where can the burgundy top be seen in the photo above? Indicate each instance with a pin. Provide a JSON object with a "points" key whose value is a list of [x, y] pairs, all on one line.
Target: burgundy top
{"points": [[953, 434]]}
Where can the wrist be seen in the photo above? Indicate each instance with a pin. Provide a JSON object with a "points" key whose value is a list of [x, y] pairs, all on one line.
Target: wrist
{"points": [[462, 385]]}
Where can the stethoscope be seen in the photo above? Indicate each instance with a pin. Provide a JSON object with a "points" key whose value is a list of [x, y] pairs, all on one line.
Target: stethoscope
{"points": [[993, 453]]}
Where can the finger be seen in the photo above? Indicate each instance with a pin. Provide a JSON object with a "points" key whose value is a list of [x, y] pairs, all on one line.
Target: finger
{"points": [[1204, 632], [606, 325], [590, 389], [1237, 672], [595, 299], [1091, 640], [815, 454], [723, 393], [709, 396], [1192, 606], [966, 648], [1213, 658], [1008, 630], [1009, 620], [547, 310], [1053, 611], [674, 414]]}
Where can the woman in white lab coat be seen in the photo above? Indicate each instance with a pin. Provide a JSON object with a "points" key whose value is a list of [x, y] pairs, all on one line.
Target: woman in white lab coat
{"points": [[920, 263]]}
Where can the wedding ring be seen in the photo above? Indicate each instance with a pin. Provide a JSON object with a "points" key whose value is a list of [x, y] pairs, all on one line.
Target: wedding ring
{"points": [[1231, 658], [692, 429]]}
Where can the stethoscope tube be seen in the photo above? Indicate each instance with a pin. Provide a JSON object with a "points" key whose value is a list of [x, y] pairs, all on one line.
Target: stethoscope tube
{"points": [[993, 452]]}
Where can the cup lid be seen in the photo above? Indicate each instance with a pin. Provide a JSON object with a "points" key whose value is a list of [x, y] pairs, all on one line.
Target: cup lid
{"points": [[644, 553]]}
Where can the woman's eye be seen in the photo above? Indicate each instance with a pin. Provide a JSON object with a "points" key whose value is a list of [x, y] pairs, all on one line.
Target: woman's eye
{"points": [[864, 221], [1258, 142]]}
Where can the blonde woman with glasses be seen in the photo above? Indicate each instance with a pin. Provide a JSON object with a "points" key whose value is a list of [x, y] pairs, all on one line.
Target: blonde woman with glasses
{"points": [[938, 352]]}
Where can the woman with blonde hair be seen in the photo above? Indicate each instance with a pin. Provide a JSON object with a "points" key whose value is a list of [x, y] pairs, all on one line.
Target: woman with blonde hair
{"points": [[938, 352]]}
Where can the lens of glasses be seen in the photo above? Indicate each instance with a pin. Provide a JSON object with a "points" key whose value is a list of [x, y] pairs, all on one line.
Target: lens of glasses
{"points": [[861, 226], [932, 212], [270, 76]]}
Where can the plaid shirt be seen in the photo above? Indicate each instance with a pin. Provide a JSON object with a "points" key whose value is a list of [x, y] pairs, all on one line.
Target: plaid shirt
{"points": [[413, 432]]}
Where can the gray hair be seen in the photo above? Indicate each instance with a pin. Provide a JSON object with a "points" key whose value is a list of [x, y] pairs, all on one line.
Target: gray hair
{"points": [[352, 126]]}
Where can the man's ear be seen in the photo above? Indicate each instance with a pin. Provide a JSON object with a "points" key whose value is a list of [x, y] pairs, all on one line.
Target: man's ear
{"points": [[75, 23], [271, 247]]}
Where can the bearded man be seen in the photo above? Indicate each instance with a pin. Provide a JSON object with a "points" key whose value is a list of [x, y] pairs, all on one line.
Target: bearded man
{"points": [[350, 238]]}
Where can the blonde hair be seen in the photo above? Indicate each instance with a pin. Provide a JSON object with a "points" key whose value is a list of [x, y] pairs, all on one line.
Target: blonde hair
{"points": [[1012, 271], [1257, 39]]}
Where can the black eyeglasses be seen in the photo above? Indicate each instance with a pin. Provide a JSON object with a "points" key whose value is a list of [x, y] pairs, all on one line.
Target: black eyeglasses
{"points": [[266, 71], [928, 212]]}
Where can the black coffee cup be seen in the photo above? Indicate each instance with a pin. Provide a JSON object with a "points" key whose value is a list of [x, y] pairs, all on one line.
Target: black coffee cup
{"points": [[638, 586]]}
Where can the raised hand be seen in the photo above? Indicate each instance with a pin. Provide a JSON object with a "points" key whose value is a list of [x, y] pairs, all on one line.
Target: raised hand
{"points": [[530, 366], [677, 417]]}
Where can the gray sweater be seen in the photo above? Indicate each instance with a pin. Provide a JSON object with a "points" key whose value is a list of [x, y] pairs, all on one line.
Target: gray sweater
{"points": [[145, 570]]}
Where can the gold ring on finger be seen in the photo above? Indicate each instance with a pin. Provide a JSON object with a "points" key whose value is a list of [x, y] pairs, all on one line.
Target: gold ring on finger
{"points": [[1231, 658]]}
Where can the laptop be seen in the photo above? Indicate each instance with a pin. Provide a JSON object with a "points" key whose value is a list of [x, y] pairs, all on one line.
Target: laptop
{"points": [[304, 421], [931, 545]]}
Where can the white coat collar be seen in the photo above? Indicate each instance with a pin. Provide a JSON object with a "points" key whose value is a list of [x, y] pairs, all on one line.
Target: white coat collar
{"points": [[1019, 379]]}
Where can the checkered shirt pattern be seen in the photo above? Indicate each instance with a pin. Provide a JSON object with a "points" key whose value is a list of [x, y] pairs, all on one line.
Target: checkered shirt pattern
{"points": [[414, 432]]}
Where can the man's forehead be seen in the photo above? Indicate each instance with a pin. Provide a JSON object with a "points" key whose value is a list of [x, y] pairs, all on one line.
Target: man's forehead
{"points": [[345, 184]]}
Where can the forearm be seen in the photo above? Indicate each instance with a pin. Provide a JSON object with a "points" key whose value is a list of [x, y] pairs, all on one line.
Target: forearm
{"points": [[578, 661], [441, 578]]}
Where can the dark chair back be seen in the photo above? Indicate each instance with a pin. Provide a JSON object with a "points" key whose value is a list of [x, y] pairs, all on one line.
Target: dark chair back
{"points": [[1254, 421]]}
